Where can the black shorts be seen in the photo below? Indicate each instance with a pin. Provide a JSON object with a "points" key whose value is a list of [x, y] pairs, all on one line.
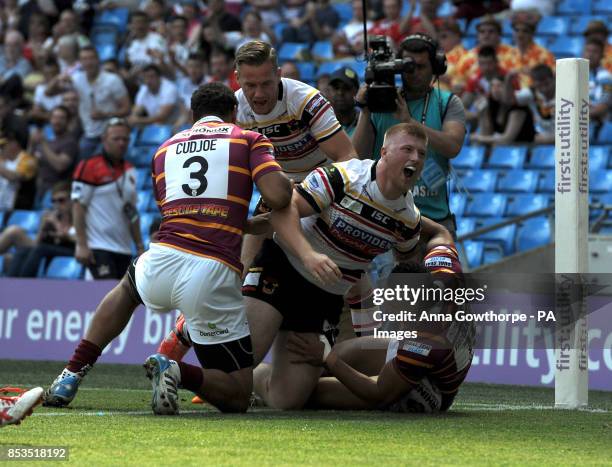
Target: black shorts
{"points": [[304, 306], [109, 265]]}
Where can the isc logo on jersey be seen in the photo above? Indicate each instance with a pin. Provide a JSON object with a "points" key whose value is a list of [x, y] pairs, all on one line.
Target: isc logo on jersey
{"points": [[358, 238], [270, 130]]}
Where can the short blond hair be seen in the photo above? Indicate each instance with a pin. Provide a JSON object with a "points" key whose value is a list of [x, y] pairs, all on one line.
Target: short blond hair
{"points": [[256, 53], [411, 128]]}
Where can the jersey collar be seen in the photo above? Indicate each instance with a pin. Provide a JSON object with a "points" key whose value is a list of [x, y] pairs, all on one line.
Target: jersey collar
{"points": [[210, 118]]}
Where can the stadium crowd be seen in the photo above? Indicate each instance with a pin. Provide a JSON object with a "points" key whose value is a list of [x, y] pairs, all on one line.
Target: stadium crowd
{"points": [[65, 71]]}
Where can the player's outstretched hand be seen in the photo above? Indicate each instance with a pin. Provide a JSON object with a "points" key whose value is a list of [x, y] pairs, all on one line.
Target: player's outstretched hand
{"points": [[305, 348], [322, 268]]}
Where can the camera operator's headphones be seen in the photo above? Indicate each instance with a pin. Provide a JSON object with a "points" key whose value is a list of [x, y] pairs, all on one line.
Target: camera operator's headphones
{"points": [[437, 58]]}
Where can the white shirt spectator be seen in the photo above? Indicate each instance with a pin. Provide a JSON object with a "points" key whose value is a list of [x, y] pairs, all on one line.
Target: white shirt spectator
{"points": [[47, 103], [104, 94], [137, 54], [181, 54], [353, 32], [166, 95]]}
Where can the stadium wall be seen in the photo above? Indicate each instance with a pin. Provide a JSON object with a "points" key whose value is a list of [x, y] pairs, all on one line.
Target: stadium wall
{"points": [[44, 320]]}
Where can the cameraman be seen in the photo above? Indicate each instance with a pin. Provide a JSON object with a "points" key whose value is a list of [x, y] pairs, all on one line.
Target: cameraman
{"points": [[440, 113]]}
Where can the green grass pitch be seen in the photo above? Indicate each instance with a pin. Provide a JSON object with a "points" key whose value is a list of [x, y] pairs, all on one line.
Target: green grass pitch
{"points": [[110, 423]]}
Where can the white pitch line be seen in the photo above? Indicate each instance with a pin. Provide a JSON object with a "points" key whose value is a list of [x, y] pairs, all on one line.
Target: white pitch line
{"points": [[467, 407], [104, 414]]}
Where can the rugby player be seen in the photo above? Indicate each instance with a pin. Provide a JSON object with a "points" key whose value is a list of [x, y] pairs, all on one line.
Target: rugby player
{"points": [[351, 212], [421, 374], [203, 181]]}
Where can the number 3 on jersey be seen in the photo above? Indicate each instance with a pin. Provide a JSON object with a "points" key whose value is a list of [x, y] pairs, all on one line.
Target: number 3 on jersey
{"points": [[197, 169], [198, 175]]}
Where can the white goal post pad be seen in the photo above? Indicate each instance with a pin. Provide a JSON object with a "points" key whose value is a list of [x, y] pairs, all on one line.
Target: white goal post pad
{"points": [[571, 230]]}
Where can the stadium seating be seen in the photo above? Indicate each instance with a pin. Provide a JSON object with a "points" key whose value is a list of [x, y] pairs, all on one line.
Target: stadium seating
{"points": [[600, 182], [470, 157], [524, 203], [330, 67], [143, 179], [322, 50], [27, 220], [117, 17], [307, 71], [598, 157], [553, 26], [144, 199], [580, 23], [473, 251], [533, 233], [465, 225], [152, 207], [573, 7], [602, 7], [566, 46], [146, 219], [518, 181], [546, 182], [507, 157], [279, 28], [141, 156], [605, 134], [64, 267], [457, 203], [480, 180], [486, 205], [154, 135], [293, 51], [542, 157], [501, 239]]}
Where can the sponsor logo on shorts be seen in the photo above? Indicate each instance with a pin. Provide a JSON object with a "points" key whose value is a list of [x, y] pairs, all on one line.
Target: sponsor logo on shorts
{"points": [[214, 331]]}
